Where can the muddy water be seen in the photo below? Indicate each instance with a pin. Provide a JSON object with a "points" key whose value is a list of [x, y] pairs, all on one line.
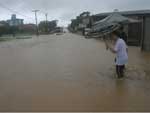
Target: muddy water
{"points": [[70, 73]]}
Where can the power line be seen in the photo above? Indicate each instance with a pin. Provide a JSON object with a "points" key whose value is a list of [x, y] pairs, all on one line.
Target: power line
{"points": [[19, 13], [16, 12]]}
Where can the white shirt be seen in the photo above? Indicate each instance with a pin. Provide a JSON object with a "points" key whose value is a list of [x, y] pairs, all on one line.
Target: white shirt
{"points": [[121, 49]]}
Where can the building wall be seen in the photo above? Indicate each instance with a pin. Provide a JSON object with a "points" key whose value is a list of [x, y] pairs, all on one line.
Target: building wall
{"points": [[138, 33], [134, 34], [146, 41], [15, 21], [133, 31]]}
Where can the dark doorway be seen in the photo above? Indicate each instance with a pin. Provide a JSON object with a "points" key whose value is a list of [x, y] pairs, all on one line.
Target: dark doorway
{"points": [[134, 34]]}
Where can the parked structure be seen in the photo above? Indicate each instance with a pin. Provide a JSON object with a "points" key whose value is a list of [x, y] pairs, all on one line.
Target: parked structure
{"points": [[15, 21]]}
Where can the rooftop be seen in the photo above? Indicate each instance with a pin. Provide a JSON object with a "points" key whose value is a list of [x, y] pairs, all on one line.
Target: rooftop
{"points": [[135, 12]]}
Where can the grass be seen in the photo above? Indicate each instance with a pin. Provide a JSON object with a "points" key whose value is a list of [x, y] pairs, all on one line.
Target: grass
{"points": [[23, 37], [5, 39], [10, 37]]}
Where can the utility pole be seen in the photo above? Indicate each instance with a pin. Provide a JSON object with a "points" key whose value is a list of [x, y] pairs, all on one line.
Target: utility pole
{"points": [[37, 30], [46, 14]]}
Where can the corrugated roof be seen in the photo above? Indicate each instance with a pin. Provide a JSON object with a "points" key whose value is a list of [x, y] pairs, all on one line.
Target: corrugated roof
{"points": [[136, 12], [116, 17]]}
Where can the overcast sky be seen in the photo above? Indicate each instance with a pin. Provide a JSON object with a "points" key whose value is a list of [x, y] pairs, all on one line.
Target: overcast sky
{"points": [[65, 10]]}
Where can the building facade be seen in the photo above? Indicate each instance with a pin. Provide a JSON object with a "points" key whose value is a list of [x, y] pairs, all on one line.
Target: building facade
{"points": [[137, 32], [15, 21], [81, 22]]}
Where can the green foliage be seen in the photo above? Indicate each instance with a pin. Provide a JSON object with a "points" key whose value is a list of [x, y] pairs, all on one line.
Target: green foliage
{"points": [[47, 26]]}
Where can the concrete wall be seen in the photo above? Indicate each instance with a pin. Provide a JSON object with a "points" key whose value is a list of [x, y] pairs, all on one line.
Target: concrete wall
{"points": [[146, 41]]}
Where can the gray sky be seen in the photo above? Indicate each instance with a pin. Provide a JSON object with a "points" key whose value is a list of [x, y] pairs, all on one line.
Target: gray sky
{"points": [[65, 10]]}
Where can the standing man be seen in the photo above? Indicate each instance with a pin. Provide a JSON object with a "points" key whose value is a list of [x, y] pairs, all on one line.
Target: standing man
{"points": [[120, 49]]}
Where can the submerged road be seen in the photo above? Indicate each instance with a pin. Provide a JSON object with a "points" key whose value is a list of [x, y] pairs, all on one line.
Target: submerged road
{"points": [[70, 73]]}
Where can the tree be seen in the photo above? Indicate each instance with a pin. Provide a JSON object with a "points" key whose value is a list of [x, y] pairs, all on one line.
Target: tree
{"points": [[4, 28], [47, 26], [85, 14], [13, 30]]}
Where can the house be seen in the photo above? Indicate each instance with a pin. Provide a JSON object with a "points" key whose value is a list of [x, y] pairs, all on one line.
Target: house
{"points": [[85, 20], [29, 28], [15, 21], [138, 33], [81, 22]]}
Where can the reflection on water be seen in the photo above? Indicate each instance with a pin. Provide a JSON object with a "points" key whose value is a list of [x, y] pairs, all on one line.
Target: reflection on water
{"points": [[70, 73]]}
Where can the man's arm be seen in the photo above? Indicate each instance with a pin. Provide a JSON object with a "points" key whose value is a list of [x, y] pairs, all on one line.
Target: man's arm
{"points": [[110, 47]]}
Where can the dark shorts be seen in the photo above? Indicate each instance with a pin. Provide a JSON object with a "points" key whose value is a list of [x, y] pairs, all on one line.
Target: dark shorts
{"points": [[120, 70]]}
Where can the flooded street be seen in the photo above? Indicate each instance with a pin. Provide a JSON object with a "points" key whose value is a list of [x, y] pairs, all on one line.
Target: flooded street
{"points": [[70, 73]]}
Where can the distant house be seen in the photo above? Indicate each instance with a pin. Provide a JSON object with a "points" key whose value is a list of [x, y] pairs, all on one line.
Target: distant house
{"points": [[84, 20], [2, 23], [29, 28], [81, 22], [15, 21]]}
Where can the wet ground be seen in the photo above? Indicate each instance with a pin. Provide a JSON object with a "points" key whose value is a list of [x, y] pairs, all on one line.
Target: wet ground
{"points": [[70, 73]]}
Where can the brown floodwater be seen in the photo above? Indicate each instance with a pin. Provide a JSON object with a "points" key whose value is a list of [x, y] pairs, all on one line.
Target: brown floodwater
{"points": [[70, 73]]}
